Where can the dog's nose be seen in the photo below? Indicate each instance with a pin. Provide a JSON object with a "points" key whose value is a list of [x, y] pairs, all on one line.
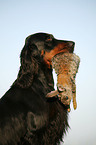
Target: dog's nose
{"points": [[71, 44]]}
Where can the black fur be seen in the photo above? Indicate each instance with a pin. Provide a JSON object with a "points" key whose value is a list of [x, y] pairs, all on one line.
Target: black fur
{"points": [[26, 116]]}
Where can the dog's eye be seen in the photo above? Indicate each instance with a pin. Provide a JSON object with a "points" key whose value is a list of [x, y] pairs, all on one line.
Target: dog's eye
{"points": [[49, 39]]}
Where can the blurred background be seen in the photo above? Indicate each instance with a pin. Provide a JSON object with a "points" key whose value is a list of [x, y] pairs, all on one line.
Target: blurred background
{"points": [[73, 20]]}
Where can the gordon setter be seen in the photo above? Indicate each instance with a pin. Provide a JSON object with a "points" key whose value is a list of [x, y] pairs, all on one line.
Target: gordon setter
{"points": [[27, 117]]}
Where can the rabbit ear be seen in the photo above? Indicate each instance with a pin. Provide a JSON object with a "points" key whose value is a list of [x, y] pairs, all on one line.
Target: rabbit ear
{"points": [[29, 65]]}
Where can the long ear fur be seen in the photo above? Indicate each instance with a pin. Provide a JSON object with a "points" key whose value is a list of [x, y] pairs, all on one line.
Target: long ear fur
{"points": [[29, 65]]}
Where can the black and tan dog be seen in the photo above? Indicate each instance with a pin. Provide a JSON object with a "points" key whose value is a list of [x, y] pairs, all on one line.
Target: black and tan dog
{"points": [[26, 116]]}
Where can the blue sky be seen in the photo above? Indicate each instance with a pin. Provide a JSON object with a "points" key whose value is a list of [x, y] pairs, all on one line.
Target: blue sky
{"points": [[69, 20]]}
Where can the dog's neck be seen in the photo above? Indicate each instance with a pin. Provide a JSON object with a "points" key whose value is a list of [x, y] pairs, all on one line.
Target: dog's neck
{"points": [[46, 78]]}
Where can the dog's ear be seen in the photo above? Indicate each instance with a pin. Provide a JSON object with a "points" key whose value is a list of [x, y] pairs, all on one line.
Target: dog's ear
{"points": [[29, 65]]}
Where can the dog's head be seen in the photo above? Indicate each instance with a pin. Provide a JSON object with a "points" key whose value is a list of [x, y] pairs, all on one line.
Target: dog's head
{"points": [[39, 48], [46, 46]]}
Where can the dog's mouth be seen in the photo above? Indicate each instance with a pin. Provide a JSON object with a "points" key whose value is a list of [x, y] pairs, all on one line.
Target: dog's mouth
{"points": [[65, 47], [64, 50]]}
